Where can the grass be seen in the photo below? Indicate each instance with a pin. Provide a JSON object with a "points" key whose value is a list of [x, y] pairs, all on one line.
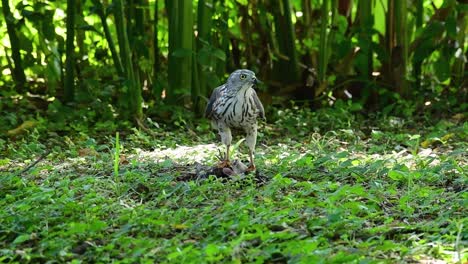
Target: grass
{"points": [[337, 188]]}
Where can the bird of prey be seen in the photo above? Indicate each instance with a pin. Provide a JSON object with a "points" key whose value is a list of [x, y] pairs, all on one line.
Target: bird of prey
{"points": [[235, 104]]}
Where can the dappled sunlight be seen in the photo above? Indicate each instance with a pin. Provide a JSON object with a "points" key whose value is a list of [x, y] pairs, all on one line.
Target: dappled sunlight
{"points": [[197, 153], [400, 157]]}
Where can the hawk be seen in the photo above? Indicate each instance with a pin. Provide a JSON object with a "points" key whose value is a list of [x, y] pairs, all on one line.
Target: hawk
{"points": [[235, 104]]}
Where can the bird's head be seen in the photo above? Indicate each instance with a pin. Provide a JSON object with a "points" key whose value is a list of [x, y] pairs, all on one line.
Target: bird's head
{"points": [[242, 79]]}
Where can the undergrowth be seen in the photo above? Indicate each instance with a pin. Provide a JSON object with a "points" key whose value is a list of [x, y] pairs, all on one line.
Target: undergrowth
{"points": [[338, 187]]}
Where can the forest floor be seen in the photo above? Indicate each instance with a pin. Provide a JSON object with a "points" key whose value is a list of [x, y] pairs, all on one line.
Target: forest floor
{"points": [[330, 188]]}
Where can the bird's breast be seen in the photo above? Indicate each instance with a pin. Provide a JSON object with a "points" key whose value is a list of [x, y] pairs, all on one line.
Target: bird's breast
{"points": [[237, 110]]}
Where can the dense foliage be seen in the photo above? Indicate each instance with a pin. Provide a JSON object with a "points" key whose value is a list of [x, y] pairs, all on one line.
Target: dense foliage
{"points": [[363, 192], [138, 56]]}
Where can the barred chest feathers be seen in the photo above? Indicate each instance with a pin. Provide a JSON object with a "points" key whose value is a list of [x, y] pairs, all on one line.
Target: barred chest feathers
{"points": [[238, 109]]}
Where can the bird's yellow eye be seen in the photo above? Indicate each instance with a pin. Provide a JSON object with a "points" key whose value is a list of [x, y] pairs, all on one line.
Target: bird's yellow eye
{"points": [[243, 76]]}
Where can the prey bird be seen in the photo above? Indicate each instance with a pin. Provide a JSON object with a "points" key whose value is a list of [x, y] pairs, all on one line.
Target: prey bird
{"points": [[235, 104]]}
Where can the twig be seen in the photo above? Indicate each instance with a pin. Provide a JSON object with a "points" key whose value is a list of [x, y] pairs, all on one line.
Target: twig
{"points": [[35, 162]]}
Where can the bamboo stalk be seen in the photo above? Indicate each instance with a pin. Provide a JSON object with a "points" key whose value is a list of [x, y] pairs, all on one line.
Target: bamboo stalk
{"points": [[221, 66], [69, 88], [156, 51], [366, 23], [204, 25], [18, 72], [171, 9], [186, 44], [419, 23], [459, 71], [285, 37], [109, 39], [133, 98], [401, 34], [323, 53], [196, 83], [180, 48]]}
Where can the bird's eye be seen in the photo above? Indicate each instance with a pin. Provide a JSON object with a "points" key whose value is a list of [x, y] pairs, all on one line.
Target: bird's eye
{"points": [[243, 76]]}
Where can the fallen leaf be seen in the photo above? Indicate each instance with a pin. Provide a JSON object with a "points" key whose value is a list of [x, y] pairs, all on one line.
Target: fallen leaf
{"points": [[22, 128]]}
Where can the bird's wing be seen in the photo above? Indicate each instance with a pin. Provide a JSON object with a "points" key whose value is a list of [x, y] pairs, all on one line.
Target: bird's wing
{"points": [[214, 97], [259, 105]]}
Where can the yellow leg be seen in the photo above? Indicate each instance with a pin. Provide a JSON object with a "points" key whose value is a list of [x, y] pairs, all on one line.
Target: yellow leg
{"points": [[225, 163], [252, 164]]}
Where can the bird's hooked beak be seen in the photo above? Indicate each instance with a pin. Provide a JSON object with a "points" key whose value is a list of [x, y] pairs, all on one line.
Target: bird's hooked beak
{"points": [[256, 81]]}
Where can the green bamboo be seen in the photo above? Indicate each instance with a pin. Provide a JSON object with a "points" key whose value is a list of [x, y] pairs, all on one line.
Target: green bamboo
{"points": [[459, 70], [132, 99], [322, 56], [186, 44], [129, 17], [110, 41], [401, 33], [140, 16], [204, 25], [171, 10], [80, 34], [156, 51], [18, 72], [180, 48], [69, 88], [419, 13], [332, 32], [134, 19], [222, 66], [122, 37], [419, 23], [366, 21], [390, 30], [196, 83], [157, 79], [286, 66]]}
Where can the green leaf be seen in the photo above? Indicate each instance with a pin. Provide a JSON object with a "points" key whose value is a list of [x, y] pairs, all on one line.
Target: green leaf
{"points": [[442, 68], [219, 54], [21, 238], [451, 26], [77, 228], [204, 56], [397, 175], [97, 225], [211, 249]]}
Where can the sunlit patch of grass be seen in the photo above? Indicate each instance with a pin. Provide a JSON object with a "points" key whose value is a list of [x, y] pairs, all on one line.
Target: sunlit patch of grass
{"points": [[339, 196], [196, 153]]}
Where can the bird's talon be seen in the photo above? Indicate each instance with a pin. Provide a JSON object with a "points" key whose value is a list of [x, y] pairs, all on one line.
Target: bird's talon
{"points": [[224, 164], [251, 168]]}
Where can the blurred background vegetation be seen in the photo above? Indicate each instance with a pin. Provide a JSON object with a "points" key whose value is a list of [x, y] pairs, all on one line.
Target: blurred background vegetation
{"points": [[92, 62]]}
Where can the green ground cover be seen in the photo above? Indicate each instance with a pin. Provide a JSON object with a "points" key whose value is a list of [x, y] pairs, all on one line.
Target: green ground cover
{"points": [[331, 187]]}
